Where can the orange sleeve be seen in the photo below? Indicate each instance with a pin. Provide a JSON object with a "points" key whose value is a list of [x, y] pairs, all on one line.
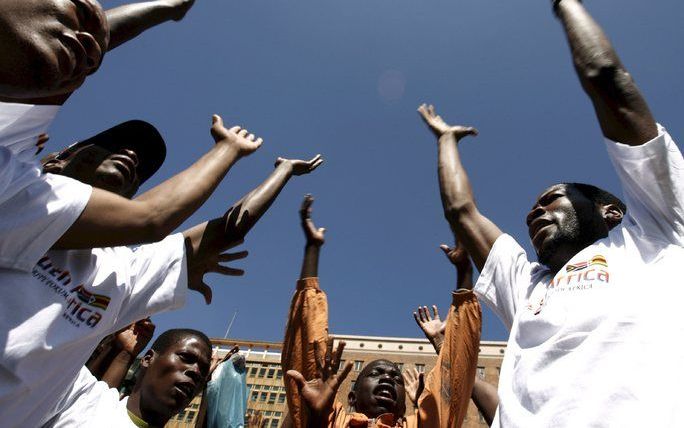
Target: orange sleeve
{"points": [[448, 386], [307, 323]]}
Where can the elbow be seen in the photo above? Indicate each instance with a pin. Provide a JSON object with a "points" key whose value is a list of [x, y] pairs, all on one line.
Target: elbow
{"points": [[604, 74], [155, 229], [456, 212]]}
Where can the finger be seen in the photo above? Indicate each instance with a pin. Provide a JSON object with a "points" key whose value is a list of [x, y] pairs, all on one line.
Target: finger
{"points": [[251, 137], [297, 377], [216, 120], [235, 129], [316, 164], [205, 291], [421, 311], [328, 353], [446, 249], [259, 142], [435, 311], [431, 110], [338, 356], [472, 131], [243, 133], [225, 270], [422, 109], [229, 257], [317, 357], [321, 230], [315, 158], [306, 204], [415, 317], [427, 313]]}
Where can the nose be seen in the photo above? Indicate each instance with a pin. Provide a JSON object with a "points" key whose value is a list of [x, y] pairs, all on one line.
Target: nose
{"points": [[92, 50], [536, 212], [194, 373], [131, 154]]}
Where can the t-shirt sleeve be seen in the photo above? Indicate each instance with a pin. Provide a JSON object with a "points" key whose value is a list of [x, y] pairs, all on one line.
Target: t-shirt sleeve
{"points": [[506, 273], [652, 177], [34, 217], [158, 280]]}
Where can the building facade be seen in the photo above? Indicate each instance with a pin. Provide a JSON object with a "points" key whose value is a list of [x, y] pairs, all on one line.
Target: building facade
{"points": [[266, 400]]}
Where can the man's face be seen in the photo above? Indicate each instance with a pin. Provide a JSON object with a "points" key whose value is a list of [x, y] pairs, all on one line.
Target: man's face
{"points": [[92, 164], [379, 389], [563, 220], [50, 46], [173, 378]]}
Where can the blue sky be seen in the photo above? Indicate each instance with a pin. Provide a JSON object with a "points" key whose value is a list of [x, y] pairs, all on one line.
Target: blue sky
{"points": [[344, 79]]}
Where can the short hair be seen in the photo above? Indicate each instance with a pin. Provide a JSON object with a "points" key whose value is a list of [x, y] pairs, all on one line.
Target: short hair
{"points": [[598, 195], [173, 336]]}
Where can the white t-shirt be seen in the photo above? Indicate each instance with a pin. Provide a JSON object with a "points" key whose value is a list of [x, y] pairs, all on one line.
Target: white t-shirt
{"points": [[35, 209], [599, 343], [53, 318], [92, 403]]}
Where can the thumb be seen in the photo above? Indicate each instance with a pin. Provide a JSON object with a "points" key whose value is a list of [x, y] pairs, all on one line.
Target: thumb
{"points": [[297, 377], [205, 291], [445, 248], [216, 120]]}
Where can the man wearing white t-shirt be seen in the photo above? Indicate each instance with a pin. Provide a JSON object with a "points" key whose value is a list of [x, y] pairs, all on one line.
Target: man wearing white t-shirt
{"points": [[172, 373], [52, 318], [48, 48], [586, 323]]}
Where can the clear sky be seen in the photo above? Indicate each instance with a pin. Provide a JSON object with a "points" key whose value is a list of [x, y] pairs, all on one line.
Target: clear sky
{"points": [[344, 78]]}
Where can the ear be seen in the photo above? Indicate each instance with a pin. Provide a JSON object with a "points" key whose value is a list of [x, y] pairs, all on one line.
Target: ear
{"points": [[612, 215], [147, 359], [351, 399]]}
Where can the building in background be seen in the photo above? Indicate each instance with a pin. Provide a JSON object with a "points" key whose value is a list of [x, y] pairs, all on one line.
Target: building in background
{"points": [[265, 376]]}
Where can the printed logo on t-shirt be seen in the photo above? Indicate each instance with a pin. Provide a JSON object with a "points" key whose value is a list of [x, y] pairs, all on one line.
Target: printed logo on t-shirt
{"points": [[81, 305], [576, 277]]}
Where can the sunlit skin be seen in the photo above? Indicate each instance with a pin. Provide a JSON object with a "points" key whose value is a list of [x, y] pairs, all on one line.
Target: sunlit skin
{"points": [[563, 222], [379, 389], [53, 45], [170, 380]]}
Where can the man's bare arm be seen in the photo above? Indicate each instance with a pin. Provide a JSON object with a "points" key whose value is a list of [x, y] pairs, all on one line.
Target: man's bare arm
{"points": [[128, 21], [111, 220], [206, 242], [315, 238], [622, 111], [475, 231], [486, 399]]}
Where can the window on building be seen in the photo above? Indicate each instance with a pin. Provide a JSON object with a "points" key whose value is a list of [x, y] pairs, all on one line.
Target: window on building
{"points": [[255, 395], [281, 398], [358, 365], [272, 398], [253, 371], [279, 374], [481, 372], [267, 387], [341, 364], [271, 373], [181, 415], [400, 366], [263, 396], [268, 413], [352, 384], [262, 372], [274, 423], [190, 417], [420, 368], [277, 414]]}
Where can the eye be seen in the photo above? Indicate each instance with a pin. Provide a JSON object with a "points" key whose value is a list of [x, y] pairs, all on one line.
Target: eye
{"points": [[547, 199]]}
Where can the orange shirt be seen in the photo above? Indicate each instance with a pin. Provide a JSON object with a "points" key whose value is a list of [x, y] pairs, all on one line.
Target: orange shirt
{"points": [[448, 386]]}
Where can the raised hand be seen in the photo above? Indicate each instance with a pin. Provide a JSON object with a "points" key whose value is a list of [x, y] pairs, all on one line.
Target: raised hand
{"points": [[433, 327], [301, 167], [180, 8], [314, 236], [414, 383], [319, 394], [439, 127], [135, 337], [236, 137], [459, 257], [216, 360], [213, 263]]}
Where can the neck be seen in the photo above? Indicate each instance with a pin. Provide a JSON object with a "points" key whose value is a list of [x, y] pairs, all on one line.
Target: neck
{"points": [[152, 418]]}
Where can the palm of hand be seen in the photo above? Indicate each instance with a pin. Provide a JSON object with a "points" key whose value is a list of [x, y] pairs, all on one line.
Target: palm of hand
{"points": [[236, 137], [319, 394], [440, 127], [301, 167], [128, 341], [434, 328]]}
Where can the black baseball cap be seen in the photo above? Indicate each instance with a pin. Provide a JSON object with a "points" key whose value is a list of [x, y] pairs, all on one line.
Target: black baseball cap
{"points": [[138, 135]]}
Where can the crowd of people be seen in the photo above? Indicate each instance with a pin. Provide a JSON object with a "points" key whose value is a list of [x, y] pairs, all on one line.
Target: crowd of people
{"points": [[85, 262]]}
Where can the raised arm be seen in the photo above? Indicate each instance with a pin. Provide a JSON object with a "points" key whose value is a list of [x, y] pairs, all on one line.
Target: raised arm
{"points": [[206, 242], [111, 220], [486, 399], [475, 231], [314, 240], [128, 21], [128, 343], [622, 111]]}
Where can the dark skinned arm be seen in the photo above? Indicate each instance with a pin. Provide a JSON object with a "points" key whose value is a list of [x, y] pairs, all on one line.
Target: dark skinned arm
{"points": [[110, 220], [206, 242], [475, 231], [128, 343], [315, 238], [486, 399], [622, 111]]}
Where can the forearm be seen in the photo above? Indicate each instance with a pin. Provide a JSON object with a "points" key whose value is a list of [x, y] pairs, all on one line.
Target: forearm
{"points": [[128, 21], [621, 109], [437, 342], [310, 262], [98, 364], [116, 372], [486, 399], [464, 277], [473, 230]]}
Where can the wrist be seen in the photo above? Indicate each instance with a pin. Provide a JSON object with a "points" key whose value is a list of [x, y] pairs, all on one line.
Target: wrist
{"points": [[124, 356]]}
